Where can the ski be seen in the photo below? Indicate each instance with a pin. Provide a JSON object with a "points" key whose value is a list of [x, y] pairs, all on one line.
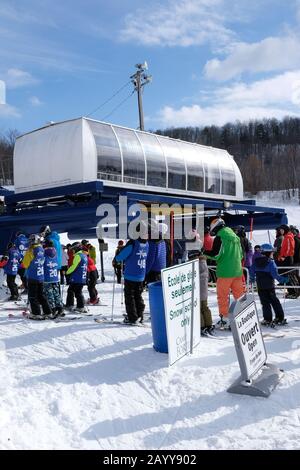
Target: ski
{"points": [[22, 316], [273, 335], [66, 319], [119, 322]]}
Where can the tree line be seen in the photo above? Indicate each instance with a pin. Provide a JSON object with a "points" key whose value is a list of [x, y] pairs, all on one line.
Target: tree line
{"points": [[267, 151], [7, 143]]}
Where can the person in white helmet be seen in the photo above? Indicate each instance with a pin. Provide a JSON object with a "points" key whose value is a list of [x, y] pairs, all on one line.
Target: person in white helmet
{"points": [[227, 253]]}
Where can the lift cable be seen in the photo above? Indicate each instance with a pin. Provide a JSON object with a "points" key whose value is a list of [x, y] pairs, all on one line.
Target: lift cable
{"points": [[118, 106], [109, 99]]}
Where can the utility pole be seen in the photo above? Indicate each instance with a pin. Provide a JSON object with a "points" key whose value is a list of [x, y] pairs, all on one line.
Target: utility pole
{"points": [[139, 80]]}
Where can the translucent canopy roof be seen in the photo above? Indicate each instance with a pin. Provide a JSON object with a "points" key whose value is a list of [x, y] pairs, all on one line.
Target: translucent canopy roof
{"points": [[141, 158], [82, 150]]}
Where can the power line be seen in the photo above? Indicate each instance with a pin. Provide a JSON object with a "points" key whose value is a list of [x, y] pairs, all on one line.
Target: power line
{"points": [[118, 106], [109, 99]]}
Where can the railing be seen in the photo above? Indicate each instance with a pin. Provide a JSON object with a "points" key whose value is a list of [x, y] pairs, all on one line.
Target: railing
{"points": [[246, 270], [109, 176]]}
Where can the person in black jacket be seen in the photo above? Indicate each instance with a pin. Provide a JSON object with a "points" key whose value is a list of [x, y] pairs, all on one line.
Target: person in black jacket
{"points": [[265, 271]]}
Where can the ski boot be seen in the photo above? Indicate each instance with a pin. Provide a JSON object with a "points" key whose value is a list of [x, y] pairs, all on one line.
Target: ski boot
{"points": [[223, 323], [278, 322]]}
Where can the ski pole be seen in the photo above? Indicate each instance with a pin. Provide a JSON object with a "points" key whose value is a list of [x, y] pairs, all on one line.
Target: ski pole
{"points": [[122, 285], [113, 298]]}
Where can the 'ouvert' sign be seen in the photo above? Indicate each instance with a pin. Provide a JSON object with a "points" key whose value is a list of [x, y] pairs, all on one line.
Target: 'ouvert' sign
{"points": [[258, 378]]}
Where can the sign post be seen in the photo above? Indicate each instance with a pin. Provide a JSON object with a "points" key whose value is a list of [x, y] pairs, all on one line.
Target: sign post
{"points": [[181, 292], [258, 378]]}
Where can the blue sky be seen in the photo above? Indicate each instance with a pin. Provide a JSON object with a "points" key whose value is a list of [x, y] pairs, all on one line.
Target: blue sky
{"points": [[212, 61]]}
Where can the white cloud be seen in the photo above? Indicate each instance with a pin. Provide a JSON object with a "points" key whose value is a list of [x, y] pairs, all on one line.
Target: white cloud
{"points": [[282, 89], [217, 114], [270, 54], [9, 111], [15, 78], [275, 97], [35, 101], [178, 23]]}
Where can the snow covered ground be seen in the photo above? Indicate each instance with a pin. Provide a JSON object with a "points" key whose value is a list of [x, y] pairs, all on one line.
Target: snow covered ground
{"points": [[83, 385]]}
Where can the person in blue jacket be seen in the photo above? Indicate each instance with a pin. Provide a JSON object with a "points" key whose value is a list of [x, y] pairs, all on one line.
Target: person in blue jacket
{"points": [[156, 260], [134, 254], [45, 231], [21, 242], [51, 282], [33, 262], [264, 271], [11, 266], [77, 278]]}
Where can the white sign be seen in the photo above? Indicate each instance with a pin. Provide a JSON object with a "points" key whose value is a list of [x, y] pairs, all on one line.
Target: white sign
{"points": [[181, 291], [250, 340]]}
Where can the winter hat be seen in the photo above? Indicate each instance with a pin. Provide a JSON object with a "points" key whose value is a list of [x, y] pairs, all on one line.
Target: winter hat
{"points": [[285, 227], [216, 225], [267, 248], [49, 243]]}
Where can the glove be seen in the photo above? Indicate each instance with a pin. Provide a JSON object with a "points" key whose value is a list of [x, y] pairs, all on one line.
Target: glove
{"points": [[285, 280]]}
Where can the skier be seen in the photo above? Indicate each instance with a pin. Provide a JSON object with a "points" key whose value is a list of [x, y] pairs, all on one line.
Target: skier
{"points": [[21, 243], [207, 326], [77, 276], [117, 265], [286, 257], [33, 262], [278, 242], [157, 254], [135, 254], [264, 270], [64, 264], [51, 284], [227, 252], [47, 234], [10, 264], [92, 276], [91, 249]]}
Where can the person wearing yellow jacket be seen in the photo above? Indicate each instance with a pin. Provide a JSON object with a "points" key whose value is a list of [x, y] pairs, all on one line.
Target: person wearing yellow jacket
{"points": [[91, 248], [33, 262], [77, 278]]}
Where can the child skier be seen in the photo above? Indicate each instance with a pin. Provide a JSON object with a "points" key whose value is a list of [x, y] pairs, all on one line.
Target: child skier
{"points": [[51, 284], [10, 264], [77, 276], [134, 254], [118, 265], [92, 276], [34, 263], [265, 271]]}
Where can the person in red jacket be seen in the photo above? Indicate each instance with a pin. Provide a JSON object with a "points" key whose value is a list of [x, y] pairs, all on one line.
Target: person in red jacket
{"points": [[208, 242], [287, 248], [286, 256], [92, 278]]}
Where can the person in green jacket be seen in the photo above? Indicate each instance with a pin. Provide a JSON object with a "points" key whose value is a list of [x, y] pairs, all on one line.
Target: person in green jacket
{"points": [[227, 253]]}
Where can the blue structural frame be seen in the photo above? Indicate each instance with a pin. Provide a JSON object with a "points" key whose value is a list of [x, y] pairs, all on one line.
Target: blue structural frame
{"points": [[73, 209]]}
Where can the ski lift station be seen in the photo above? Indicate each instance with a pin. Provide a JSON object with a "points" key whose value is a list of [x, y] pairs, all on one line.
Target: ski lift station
{"points": [[65, 170]]}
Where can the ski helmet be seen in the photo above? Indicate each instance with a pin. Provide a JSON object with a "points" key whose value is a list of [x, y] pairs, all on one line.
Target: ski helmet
{"points": [[45, 230], [216, 225], [267, 248], [35, 239]]}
